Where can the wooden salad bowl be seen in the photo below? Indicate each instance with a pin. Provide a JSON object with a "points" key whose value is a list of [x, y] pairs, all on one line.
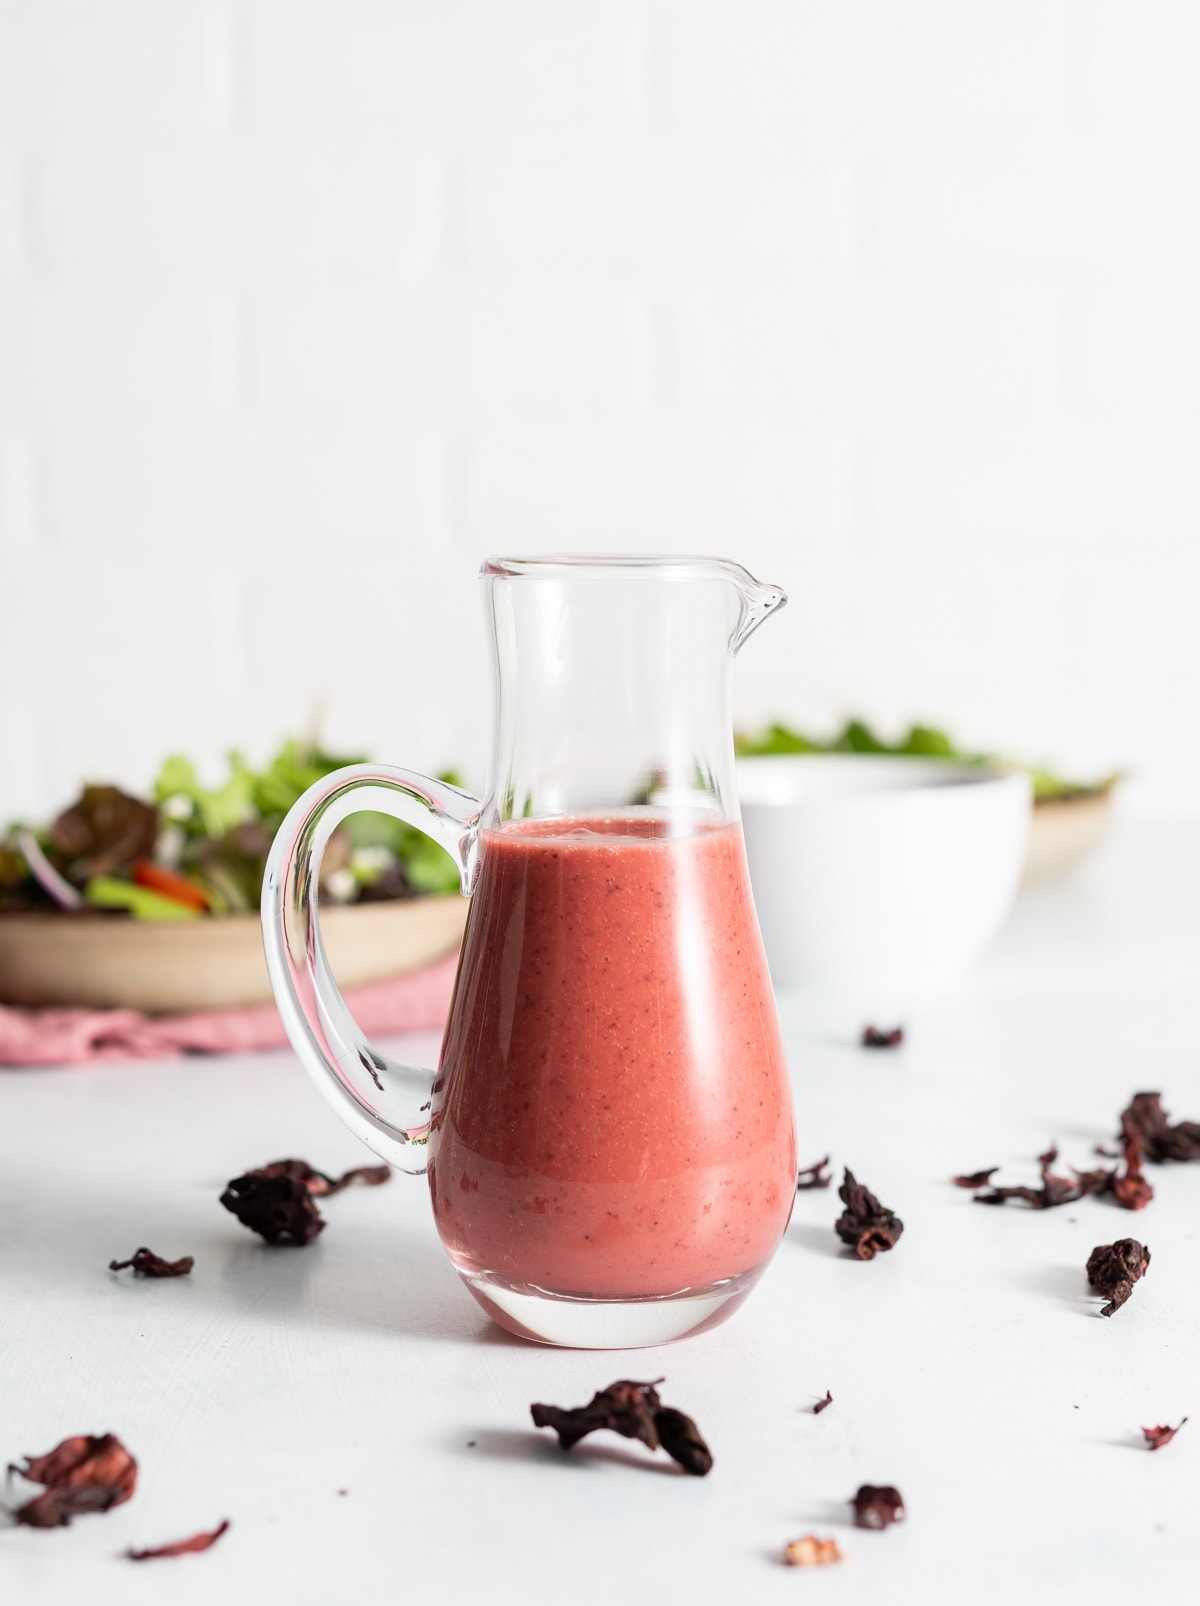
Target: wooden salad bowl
{"points": [[103, 961], [1065, 830]]}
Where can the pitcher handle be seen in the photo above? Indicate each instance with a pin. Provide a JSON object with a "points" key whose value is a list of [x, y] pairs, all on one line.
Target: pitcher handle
{"points": [[384, 1103]]}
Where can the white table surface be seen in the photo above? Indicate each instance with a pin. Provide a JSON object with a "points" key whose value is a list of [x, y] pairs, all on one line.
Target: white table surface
{"points": [[969, 1367]]}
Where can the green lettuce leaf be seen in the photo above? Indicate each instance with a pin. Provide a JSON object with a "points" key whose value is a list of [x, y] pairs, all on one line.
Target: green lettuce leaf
{"points": [[214, 811], [922, 741]]}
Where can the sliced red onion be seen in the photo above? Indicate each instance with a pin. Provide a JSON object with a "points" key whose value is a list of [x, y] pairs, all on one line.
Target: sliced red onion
{"points": [[46, 876]]}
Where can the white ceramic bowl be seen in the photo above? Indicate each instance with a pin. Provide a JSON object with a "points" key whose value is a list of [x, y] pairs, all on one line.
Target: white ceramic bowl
{"points": [[882, 877]]}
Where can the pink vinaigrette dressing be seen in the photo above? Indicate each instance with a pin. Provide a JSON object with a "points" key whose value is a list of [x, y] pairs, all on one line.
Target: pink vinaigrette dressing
{"points": [[612, 1116]]}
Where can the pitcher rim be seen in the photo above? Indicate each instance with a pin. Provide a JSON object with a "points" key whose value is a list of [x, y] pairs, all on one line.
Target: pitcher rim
{"points": [[619, 565]]}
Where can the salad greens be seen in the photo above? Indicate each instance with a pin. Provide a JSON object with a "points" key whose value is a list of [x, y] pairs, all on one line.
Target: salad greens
{"points": [[921, 741], [110, 892], [196, 849]]}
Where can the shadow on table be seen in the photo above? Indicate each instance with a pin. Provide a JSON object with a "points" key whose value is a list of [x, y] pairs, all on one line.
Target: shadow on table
{"points": [[382, 1279], [1066, 1283], [506, 1444], [358, 1274], [818, 1515], [818, 1238]]}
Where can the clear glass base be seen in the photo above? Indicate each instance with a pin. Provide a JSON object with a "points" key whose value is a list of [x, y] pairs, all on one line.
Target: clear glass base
{"points": [[574, 1323]]}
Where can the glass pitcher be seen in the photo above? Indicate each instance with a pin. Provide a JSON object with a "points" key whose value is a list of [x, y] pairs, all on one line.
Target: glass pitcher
{"points": [[608, 1137]]}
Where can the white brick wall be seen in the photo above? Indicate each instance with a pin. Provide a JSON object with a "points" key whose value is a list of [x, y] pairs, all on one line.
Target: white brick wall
{"points": [[305, 305], [83, 352], [1141, 62], [249, 211], [459, 70], [1139, 346], [83, 70], [12, 222], [864, 66], [1011, 207], [613, 209], [852, 345]]}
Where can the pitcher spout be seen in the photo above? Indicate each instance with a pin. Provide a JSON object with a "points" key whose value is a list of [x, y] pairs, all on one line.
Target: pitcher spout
{"points": [[758, 602]]}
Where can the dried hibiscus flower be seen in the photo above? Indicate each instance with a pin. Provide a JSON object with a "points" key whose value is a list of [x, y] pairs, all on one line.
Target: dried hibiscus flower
{"points": [[146, 1263], [1131, 1190], [877, 1506], [814, 1176], [1054, 1190], [681, 1439], [90, 1472], [867, 1226], [823, 1405], [811, 1552], [1157, 1437], [635, 1411], [624, 1407], [1161, 1139], [873, 1037], [278, 1208], [276, 1200], [181, 1547], [55, 1508], [366, 1176], [1112, 1269], [975, 1179], [317, 1183]]}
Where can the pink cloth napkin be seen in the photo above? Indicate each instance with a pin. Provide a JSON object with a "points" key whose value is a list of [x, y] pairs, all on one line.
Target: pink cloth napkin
{"points": [[413, 1003]]}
